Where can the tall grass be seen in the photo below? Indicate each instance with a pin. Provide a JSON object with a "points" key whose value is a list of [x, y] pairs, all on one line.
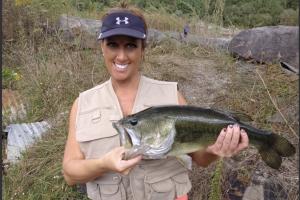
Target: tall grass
{"points": [[53, 74]]}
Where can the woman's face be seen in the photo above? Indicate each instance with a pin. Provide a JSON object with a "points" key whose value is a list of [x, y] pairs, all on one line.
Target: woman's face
{"points": [[122, 56]]}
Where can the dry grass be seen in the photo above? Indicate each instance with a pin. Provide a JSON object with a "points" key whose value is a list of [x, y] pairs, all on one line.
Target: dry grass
{"points": [[53, 74]]}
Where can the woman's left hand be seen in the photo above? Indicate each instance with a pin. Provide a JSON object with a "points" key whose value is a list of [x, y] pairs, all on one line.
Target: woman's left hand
{"points": [[230, 141]]}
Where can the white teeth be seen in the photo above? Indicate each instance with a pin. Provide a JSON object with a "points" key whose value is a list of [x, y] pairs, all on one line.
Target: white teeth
{"points": [[121, 66]]}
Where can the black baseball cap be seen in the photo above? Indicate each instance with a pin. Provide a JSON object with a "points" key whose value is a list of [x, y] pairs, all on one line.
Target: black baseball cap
{"points": [[122, 23]]}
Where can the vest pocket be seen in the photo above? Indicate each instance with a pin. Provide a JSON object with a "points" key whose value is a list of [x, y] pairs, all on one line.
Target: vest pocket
{"points": [[163, 189], [109, 192], [166, 179], [110, 187], [95, 124], [182, 183]]}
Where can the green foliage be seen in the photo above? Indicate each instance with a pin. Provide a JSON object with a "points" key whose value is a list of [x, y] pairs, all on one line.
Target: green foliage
{"points": [[243, 13], [292, 4], [9, 77], [215, 193], [289, 17], [253, 13]]}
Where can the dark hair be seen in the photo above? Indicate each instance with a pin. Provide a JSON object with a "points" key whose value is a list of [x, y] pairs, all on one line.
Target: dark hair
{"points": [[124, 7]]}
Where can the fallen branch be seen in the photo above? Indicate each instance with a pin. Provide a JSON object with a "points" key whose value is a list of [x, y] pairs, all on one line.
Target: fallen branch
{"points": [[275, 105]]}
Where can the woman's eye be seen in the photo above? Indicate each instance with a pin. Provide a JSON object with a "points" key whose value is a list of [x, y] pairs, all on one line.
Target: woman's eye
{"points": [[133, 121], [131, 46], [112, 44]]}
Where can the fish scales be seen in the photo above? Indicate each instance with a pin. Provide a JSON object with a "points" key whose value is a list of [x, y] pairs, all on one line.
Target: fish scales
{"points": [[163, 131]]}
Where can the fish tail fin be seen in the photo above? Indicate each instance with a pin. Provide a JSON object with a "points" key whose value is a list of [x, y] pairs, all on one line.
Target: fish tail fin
{"points": [[277, 147], [271, 158], [283, 146]]}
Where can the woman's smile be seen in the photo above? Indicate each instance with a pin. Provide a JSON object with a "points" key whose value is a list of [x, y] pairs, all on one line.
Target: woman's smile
{"points": [[121, 67]]}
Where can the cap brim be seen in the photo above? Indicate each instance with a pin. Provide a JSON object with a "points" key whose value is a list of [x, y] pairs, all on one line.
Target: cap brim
{"points": [[122, 31]]}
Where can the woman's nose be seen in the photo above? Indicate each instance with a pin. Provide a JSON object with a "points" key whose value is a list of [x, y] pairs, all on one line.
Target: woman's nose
{"points": [[121, 56]]}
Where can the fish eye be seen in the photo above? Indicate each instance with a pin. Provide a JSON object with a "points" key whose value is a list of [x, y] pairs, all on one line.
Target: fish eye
{"points": [[133, 121]]}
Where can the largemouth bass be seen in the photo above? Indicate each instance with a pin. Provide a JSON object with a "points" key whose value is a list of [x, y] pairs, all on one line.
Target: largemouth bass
{"points": [[163, 131]]}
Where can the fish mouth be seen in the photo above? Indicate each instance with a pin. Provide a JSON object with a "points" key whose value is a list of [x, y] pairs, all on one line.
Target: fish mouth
{"points": [[124, 132], [121, 132], [140, 148], [135, 140]]}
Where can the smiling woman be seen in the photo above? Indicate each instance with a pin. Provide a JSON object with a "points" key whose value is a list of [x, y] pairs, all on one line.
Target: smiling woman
{"points": [[123, 56], [93, 154]]}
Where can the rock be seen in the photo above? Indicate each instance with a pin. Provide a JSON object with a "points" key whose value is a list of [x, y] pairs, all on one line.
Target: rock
{"points": [[264, 187], [255, 192], [268, 45], [22, 136], [85, 31], [78, 30], [217, 43], [155, 36]]}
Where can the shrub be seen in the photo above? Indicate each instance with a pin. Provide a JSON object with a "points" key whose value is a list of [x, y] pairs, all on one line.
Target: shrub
{"points": [[9, 77], [289, 17]]}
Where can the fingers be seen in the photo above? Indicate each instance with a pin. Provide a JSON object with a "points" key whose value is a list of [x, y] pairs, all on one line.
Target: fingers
{"points": [[227, 140], [230, 141], [244, 143], [129, 164], [235, 138], [219, 143], [114, 162]]}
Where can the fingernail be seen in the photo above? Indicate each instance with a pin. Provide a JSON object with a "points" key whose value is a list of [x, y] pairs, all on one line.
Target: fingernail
{"points": [[237, 125], [230, 126]]}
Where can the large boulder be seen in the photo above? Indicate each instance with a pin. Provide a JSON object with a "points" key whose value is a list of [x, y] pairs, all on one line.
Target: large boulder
{"points": [[80, 31], [268, 45]]}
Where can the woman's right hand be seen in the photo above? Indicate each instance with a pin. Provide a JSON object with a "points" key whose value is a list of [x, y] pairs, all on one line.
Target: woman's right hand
{"points": [[113, 161]]}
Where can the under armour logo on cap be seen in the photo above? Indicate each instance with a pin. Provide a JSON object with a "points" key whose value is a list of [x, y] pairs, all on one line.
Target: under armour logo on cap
{"points": [[123, 23], [125, 20]]}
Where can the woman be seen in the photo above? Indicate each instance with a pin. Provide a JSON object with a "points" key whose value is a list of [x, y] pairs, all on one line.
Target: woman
{"points": [[93, 154]]}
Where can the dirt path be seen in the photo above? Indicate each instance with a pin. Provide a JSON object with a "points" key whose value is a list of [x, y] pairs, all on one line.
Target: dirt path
{"points": [[198, 79]]}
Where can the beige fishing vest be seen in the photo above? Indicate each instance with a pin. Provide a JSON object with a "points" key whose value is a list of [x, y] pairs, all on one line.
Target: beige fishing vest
{"points": [[98, 107]]}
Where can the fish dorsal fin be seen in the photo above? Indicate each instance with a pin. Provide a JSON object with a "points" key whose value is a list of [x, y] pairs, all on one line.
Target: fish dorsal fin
{"points": [[240, 117]]}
